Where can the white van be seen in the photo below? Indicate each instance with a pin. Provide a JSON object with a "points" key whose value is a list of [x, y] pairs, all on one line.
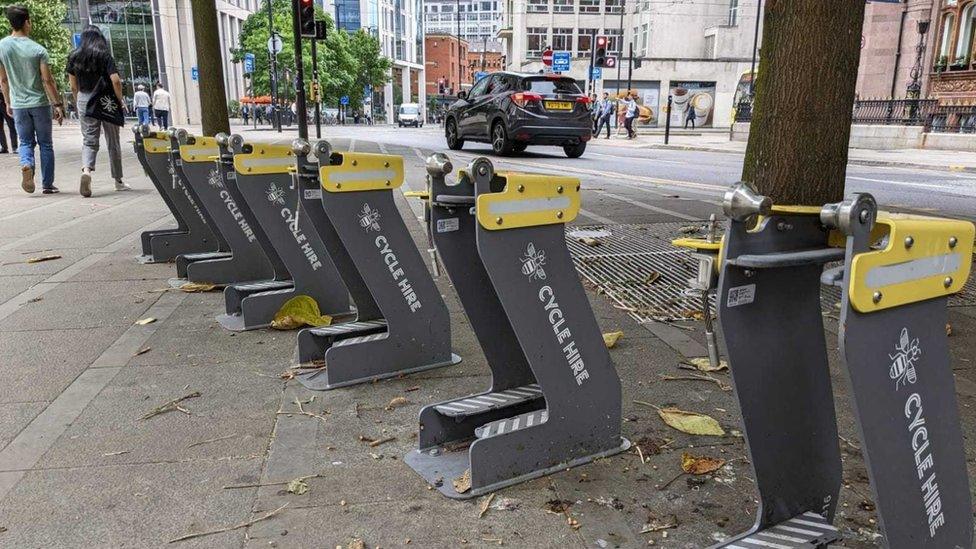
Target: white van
{"points": [[410, 115]]}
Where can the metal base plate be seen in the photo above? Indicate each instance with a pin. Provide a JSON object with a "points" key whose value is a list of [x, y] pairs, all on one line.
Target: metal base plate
{"points": [[318, 379], [235, 323], [440, 470]]}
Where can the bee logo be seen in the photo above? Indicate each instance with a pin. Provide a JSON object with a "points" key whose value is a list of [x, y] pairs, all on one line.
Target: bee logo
{"points": [[108, 104], [369, 219], [214, 179], [533, 262], [903, 360], [276, 195]]}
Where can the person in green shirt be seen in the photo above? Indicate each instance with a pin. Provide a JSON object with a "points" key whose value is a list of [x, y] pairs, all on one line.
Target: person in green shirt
{"points": [[27, 83]]}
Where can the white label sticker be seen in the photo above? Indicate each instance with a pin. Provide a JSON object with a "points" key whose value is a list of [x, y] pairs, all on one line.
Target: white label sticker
{"points": [[313, 194], [742, 295], [448, 225], [231, 175]]}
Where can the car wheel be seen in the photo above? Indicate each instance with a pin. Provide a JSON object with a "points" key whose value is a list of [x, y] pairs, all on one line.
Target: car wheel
{"points": [[454, 141], [520, 146], [500, 143], [575, 151]]}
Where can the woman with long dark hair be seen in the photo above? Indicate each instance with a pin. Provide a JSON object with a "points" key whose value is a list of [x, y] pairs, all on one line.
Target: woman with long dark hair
{"points": [[90, 68]]}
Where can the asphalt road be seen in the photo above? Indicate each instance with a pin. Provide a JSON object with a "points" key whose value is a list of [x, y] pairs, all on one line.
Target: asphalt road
{"points": [[623, 184]]}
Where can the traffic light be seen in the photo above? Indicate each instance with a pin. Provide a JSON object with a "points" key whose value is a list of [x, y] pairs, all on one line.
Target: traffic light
{"points": [[320, 30], [600, 51], [306, 18]]}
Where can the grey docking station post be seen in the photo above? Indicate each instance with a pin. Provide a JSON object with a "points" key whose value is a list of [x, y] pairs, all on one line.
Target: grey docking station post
{"points": [[896, 276], [402, 324], [555, 397], [193, 233], [263, 174]]}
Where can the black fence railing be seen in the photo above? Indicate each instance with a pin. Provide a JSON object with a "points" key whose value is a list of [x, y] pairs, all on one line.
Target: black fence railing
{"points": [[902, 112]]}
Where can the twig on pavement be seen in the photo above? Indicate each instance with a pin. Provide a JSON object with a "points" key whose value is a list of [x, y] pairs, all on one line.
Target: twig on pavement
{"points": [[171, 406], [229, 528]]}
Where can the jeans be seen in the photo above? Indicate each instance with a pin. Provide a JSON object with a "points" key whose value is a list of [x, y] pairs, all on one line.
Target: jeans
{"points": [[91, 130], [4, 118], [604, 121], [143, 114], [34, 128], [162, 118], [629, 125]]}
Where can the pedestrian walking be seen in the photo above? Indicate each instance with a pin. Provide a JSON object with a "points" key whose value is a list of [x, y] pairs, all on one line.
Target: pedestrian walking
{"points": [[630, 113], [141, 102], [245, 112], [97, 88], [6, 119], [160, 104], [34, 101], [605, 110], [690, 117]]}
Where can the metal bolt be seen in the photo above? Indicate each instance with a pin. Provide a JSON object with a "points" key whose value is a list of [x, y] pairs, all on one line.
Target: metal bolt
{"points": [[559, 215], [338, 185], [435, 451], [482, 170], [577, 188], [355, 162], [877, 297], [947, 282], [749, 273], [249, 170], [521, 188], [863, 216], [386, 164], [559, 189], [953, 241], [909, 241], [784, 226], [498, 220], [388, 183]]}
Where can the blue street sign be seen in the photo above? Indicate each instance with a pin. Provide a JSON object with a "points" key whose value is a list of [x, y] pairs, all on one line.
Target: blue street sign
{"points": [[344, 100], [479, 75], [560, 61], [195, 73], [77, 39], [248, 63], [597, 73]]}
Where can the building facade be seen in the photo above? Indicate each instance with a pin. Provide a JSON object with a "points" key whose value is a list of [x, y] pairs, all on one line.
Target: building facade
{"points": [[480, 61], [697, 51], [476, 21], [953, 77], [447, 64]]}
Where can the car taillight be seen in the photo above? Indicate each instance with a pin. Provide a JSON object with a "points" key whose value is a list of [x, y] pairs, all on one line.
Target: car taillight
{"points": [[584, 100], [524, 98]]}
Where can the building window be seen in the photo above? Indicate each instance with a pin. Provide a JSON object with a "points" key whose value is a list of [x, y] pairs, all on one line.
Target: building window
{"points": [[613, 40], [612, 6], [584, 40], [643, 39], [562, 6], [733, 12], [535, 41], [964, 40], [538, 6], [562, 39], [710, 47], [589, 6], [946, 46]]}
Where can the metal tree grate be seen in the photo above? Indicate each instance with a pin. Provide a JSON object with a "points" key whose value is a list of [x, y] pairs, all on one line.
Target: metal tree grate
{"points": [[639, 270]]}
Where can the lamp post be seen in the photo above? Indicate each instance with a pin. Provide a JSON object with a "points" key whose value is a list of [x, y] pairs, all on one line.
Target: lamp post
{"points": [[914, 89]]}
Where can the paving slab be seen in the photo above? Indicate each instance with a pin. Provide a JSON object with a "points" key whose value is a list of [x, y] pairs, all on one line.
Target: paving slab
{"points": [[14, 416]]}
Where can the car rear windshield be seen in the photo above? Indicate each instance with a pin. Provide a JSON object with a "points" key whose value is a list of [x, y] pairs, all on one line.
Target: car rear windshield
{"points": [[408, 110], [552, 86]]}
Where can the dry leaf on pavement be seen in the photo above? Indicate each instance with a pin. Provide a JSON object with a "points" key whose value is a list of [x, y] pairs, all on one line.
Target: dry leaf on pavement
{"points": [[43, 258], [356, 544], [145, 321], [690, 422], [611, 339], [558, 506], [397, 402], [297, 486], [193, 287], [463, 483], [589, 241], [300, 311], [704, 365], [700, 465]]}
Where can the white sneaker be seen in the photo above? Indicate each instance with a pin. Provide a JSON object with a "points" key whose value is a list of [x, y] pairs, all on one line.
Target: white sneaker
{"points": [[121, 186], [86, 183]]}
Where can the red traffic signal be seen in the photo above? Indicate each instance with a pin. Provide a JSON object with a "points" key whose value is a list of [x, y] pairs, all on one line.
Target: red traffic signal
{"points": [[600, 52], [601, 41], [306, 18]]}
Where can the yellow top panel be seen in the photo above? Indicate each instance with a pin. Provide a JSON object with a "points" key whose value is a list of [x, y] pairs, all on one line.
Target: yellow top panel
{"points": [[363, 172], [529, 200], [156, 145], [202, 150], [925, 257], [265, 159]]}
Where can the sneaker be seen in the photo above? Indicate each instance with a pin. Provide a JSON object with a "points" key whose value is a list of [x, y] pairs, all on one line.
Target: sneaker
{"points": [[27, 179], [86, 184], [121, 186], [51, 190]]}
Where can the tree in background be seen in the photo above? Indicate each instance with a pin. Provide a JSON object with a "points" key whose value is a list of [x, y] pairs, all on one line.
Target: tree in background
{"points": [[801, 121], [373, 69], [47, 17]]}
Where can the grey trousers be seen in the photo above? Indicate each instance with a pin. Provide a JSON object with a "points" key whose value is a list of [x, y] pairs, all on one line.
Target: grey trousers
{"points": [[91, 130]]}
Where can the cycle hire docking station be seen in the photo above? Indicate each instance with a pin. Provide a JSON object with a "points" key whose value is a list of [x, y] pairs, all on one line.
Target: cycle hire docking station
{"points": [[192, 233], [896, 276], [555, 397], [402, 323], [263, 174], [225, 208]]}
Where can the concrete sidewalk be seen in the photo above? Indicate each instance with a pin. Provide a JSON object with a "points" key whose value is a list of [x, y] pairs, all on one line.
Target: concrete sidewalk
{"points": [[79, 467]]}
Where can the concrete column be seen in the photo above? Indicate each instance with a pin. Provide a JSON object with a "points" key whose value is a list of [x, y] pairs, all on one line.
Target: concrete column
{"points": [[388, 101], [422, 91], [405, 82]]}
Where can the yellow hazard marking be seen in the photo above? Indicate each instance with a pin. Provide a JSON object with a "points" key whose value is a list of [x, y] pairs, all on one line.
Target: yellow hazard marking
{"points": [[200, 151], [362, 172], [697, 244], [265, 159], [423, 195], [155, 145], [924, 258], [529, 200]]}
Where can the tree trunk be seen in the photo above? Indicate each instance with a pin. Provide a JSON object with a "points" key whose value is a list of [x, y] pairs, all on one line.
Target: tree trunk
{"points": [[213, 96], [801, 122]]}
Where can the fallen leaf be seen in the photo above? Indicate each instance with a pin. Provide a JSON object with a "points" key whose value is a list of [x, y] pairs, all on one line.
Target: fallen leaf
{"points": [[193, 287], [300, 311], [145, 321], [690, 422], [397, 402], [463, 483], [589, 241], [43, 258], [652, 277], [505, 504], [611, 339], [700, 465], [704, 365], [297, 487], [356, 544], [948, 329], [558, 506]]}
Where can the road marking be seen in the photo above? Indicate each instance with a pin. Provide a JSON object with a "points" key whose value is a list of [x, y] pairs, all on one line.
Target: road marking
{"points": [[907, 183], [649, 207], [598, 217], [352, 145]]}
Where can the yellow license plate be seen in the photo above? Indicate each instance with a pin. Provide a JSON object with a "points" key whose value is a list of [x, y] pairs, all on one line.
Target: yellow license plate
{"points": [[559, 105]]}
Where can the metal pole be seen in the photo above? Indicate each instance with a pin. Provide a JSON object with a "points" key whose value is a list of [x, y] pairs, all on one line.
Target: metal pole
{"points": [[275, 113], [589, 78], [300, 104], [755, 48], [316, 96], [630, 65], [619, 42], [667, 121], [460, 78]]}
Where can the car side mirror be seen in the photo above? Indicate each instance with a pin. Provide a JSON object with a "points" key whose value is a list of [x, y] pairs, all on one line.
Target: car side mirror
{"points": [[462, 95]]}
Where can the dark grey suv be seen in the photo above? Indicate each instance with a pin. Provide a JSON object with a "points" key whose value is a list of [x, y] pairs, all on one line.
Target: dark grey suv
{"points": [[512, 111]]}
